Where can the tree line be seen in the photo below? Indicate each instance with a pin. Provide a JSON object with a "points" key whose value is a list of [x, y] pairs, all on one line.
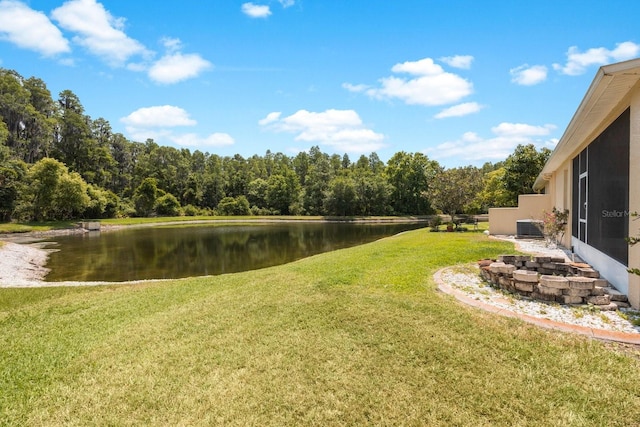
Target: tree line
{"points": [[57, 163]]}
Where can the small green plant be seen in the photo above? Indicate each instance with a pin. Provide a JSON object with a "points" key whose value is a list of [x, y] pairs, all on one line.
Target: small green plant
{"points": [[633, 241], [604, 318], [435, 222], [554, 224], [623, 315]]}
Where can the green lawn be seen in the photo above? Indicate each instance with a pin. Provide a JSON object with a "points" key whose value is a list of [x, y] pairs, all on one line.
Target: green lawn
{"points": [[13, 227], [353, 337]]}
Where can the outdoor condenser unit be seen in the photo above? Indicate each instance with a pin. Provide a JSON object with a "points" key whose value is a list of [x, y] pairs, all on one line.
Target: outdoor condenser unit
{"points": [[529, 228]]}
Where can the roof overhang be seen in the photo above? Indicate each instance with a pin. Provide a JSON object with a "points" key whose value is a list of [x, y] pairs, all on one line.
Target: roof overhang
{"points": [[602, 104]]}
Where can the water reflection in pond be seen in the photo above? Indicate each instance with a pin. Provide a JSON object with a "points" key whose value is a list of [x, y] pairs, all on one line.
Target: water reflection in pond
{"points": [[184, 251]]}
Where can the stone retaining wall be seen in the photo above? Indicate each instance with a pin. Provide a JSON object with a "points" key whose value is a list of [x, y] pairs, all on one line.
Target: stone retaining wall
{"points": [[553, 280]]}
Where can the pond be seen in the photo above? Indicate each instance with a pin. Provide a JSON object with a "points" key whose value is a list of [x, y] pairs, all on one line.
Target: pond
{"points": [[171, 252]]}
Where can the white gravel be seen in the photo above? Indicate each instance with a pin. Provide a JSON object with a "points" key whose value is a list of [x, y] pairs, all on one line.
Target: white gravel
{"points": [[22, 265], [467, 280]]}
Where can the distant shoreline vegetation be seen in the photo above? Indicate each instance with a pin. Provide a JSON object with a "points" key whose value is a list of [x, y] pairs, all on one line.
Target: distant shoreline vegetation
{"points": [[57, 163]]}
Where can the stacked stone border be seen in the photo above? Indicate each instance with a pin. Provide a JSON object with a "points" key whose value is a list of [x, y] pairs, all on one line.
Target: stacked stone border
{"points": [[552, 279]]}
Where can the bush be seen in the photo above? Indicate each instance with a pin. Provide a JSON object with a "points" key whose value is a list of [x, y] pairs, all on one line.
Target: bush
{"points": [[191, 210], [167, 205], [435, 222], [230, 206]]}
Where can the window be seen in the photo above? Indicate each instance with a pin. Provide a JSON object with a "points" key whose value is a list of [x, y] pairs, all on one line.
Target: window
{"points": [[601, 191]]}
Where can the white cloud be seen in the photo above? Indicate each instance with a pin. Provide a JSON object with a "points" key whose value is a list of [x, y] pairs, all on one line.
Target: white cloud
{"points": [[340, 129], [271, 117], [458, 61], [355, 88], [459, 110], [578, 62], [521, 129], [432, 85], [30, 29], [98, 31], [193, 140], [421, 67], [157, 123], [287, 3], [471, 148], [528, 76], [176, 67], [255, 10], [162, 116], [171, 44]]}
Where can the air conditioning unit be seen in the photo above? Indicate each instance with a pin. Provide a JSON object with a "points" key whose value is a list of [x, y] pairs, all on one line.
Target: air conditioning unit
{"points": [[529, 228]]}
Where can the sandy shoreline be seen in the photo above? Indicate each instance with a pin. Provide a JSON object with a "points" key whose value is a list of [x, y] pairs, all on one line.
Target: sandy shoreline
{"points": [[23, 258], [22, 265]]}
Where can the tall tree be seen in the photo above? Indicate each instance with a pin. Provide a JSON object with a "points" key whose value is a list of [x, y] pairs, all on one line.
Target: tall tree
{"points": [[145, 197], [341, 196], [75, 146], [41, 121], [521, 169], [54, 192], [411, 175], [283, 192], [14, 108], [493, 194], [12, 177], [319, 174], [453, 189]]}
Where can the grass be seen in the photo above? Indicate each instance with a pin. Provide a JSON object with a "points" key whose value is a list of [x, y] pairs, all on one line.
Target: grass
{"points": [[353, 337], [13, 227]]}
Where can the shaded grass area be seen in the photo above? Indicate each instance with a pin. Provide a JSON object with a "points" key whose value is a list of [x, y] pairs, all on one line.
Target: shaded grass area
{"points": [[353, 337]]}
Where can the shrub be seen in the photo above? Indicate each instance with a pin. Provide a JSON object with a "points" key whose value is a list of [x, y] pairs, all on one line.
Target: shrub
{"points": [[191, 210], [435, 222], [167, 205]]}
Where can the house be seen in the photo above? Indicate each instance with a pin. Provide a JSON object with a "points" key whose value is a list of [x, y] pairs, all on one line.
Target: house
{"points": [[594, 172]]}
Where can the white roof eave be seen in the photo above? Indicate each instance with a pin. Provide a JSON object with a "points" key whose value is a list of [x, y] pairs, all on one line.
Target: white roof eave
{"points": [[601, 98]]}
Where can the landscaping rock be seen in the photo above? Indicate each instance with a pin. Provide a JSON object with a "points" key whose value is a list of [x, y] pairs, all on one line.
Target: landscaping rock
{"points": [[552, 279], [484, 262], [615, 295], [579, 282], [570, 299], [547, 290], [555, 282], [601, 283], [588, 272], [495, 267], [543, 297], [525, 286], [608, 307], [577, 292], [525, 276], [600, 300]]}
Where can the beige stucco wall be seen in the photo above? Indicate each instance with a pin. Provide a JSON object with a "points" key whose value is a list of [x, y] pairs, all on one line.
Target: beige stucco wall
{"points": [[502, 221], [634, 197], [560, 190]]}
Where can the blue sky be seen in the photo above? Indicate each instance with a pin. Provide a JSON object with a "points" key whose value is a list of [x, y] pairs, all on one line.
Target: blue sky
{"points": [[462, 81]]}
